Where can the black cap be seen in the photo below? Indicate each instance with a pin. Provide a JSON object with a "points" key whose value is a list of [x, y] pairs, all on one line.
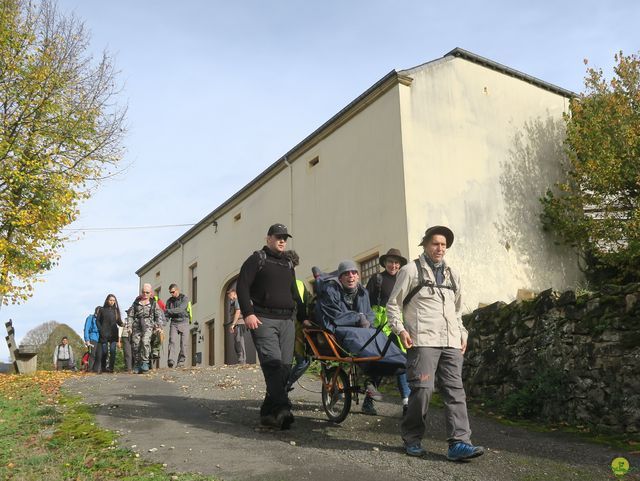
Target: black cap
{"points": [[278, 229], [435, 230]]}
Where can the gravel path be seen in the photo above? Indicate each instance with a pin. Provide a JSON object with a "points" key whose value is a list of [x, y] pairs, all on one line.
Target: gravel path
{"points": [[206, 420]]}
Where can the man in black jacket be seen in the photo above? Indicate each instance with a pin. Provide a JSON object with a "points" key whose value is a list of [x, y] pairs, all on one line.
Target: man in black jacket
{"points": [[178, 312], [266, 291]]}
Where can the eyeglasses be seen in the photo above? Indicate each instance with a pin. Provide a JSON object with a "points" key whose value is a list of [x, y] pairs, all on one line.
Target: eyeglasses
{"points": [[353, 273], [146, 292], [172, 292]]}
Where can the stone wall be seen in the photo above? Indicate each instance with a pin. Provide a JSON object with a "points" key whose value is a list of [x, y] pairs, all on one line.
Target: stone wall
{"points": [[560, 358]]}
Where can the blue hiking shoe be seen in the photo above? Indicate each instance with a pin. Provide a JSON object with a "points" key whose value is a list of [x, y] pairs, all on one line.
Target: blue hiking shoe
{"points": [[461, 451], [144, 367], [416, 450]]}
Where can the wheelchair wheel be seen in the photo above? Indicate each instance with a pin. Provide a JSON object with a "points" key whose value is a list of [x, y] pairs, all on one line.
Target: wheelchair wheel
{"points": [[336, 399]]}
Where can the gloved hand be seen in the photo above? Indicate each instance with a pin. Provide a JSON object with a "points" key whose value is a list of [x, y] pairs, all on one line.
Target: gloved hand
{"points": [[363, 321]]}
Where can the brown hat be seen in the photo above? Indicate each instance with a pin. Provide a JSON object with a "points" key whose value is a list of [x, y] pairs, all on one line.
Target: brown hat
{"points": [[392, 253], [437, 230]]}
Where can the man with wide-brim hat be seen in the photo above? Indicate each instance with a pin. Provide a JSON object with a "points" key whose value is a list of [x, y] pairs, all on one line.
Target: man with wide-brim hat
{"points": [[379, 287], [425, 312], [393, 254]]}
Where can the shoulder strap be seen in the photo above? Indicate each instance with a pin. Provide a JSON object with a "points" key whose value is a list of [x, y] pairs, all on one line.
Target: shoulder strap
{"points": [[262, 258], [454, 287], [422, 282]]}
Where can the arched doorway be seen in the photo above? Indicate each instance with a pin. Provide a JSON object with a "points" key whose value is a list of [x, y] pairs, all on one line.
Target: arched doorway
{"points": [[230, 356]]}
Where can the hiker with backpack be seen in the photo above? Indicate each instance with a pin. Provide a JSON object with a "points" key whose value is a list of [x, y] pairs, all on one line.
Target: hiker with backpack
{"points": [[63, 356], [178, 311], [145, 317], [302, 360], [266, 290], [236, 326], [91, 338], [379, 287], [424, 311]]}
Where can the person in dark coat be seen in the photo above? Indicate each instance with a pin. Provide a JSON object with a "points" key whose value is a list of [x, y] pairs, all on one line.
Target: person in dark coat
{"points": [[268, 299], [344, 308], [108, 320]]}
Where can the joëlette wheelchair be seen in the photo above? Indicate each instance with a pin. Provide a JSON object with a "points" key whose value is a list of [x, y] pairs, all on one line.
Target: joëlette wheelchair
{"points": [[339, 371]]}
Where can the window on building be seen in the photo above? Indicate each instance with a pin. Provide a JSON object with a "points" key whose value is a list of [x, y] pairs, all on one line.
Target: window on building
{"points": [[369, 267], [315, 161], [193, 270]]}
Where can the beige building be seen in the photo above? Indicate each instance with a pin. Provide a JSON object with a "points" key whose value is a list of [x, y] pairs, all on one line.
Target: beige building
{"points": [[461, 141]]}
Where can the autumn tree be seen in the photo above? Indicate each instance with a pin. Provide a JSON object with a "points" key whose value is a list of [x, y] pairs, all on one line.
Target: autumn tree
{"points": [[60, 134], [596, 208]]}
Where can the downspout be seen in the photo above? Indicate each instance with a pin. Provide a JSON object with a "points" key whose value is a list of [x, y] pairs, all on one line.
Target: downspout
{"points": [[288, 164]]}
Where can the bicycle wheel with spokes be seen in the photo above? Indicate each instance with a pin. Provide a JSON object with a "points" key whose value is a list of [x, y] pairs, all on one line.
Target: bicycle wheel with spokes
{"points": [[336, 394]]}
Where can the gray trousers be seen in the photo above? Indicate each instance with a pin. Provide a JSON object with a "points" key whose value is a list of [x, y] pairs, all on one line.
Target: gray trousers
{"points": [[238, 343], [423, 365], [274, 340], [178, 330], [128, 353]]}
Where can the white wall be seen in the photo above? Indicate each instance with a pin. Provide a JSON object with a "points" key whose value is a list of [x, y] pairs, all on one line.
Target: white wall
{"points": [[480, 149]]}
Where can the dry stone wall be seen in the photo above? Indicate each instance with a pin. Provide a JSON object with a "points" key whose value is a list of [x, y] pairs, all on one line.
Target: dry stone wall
{"points": [[560, 358]]}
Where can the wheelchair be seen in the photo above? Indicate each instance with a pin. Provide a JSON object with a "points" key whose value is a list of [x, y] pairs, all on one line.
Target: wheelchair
{"points": [[339, 371]]}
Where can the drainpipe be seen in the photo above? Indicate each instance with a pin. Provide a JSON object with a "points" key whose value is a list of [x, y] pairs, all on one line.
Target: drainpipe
{"points": [[288, 164]]}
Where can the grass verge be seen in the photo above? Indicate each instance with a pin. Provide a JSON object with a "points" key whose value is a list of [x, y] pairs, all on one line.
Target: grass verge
{"points": [[46, 435]]}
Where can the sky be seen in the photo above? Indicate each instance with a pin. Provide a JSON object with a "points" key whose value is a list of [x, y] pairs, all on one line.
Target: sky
{"points": [[219, 90]]}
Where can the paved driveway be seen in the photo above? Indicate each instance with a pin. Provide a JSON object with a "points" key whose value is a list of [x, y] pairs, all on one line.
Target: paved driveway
{"points": [[206, 420]]}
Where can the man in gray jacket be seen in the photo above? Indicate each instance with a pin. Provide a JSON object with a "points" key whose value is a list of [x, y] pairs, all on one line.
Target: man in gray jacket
{"points": [[424, 310], [178, 311]]}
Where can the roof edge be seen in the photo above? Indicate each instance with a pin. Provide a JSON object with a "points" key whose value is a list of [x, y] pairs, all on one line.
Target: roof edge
{"points": [[472, 57], [352, 108]]}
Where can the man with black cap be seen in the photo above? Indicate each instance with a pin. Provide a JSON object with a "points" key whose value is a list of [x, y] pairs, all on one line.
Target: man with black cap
{"points": [[424, 310], [267, 294]]}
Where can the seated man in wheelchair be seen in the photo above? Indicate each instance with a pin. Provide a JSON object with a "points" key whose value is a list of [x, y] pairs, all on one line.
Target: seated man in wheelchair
{"points": [[343, 308]]}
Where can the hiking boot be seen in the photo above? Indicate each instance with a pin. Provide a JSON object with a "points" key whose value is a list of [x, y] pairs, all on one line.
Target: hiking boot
{"points": [[460, 451], [144, 367], [368, 407], [170, 363], [287, 419], [405, 408], [416, 450], [271, 421], [372, 392]]}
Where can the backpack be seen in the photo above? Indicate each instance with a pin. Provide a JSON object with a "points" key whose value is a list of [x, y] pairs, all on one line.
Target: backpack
{"points": [[424, 282], [319, 286]]}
